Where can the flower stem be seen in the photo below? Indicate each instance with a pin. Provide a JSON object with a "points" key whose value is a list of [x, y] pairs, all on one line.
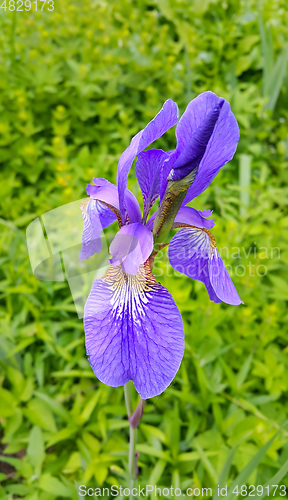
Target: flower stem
{"points": [[132, 442]]}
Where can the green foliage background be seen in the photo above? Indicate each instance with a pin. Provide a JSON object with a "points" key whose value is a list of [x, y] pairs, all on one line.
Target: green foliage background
{"points": [[76, 84]]}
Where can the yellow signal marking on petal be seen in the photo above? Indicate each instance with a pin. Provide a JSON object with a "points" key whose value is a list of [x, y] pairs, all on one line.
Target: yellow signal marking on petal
{"points": [[212, 239], [143, 280], [130, 291]]}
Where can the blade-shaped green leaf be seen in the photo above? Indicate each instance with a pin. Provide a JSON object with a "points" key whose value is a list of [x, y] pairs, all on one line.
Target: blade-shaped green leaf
{"points": [[275, 479], [224, 473], [276, 79], [35, 450], [251, 466]]}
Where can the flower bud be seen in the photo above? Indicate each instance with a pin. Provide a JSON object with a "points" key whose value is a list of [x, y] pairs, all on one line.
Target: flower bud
{"points": [[135, 418]]}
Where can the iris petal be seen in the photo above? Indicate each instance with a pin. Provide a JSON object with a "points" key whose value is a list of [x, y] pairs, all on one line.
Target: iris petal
{"points": [[101, 210], [193, 217], [221, 281], [131, 247], [107, 192], [147, 169], [96, 216], [163, 121], [189, 252], [194, 150], [221, 146], [133, 331], [150, 221], [193, 252]]}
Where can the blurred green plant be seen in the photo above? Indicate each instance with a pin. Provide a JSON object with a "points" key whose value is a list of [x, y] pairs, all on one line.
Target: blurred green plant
{"points": [[75, 86]]}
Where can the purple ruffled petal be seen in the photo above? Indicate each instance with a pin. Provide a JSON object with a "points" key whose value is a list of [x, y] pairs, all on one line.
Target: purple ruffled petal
{"points": [[221, 146], [131, 247], [194, 150], [104, 190], [163, 121], [133, 331], [188, 215], [205, 213], [147, 169], [221, 281], [95, 217], [192, 251]]}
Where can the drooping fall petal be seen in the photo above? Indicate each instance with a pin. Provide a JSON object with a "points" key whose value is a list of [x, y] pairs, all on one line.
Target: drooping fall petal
{"points": [[133, 331], [221, 281], [193, 252]]}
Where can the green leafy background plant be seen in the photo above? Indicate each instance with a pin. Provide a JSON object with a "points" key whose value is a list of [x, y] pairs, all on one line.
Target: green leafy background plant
{"points": [[76, 84]]}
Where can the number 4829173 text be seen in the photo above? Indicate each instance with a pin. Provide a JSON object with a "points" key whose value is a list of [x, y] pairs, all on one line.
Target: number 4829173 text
{"points": [[22, 5]]}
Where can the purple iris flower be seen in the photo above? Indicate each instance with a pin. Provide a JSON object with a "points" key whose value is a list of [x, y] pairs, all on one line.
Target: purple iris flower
{"points": [[133, 328]]}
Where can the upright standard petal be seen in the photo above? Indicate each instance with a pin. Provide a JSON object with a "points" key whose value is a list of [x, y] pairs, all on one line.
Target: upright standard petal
{"points": [[96, 216], [221, 146], [133, 331], [131, 247], [107, 192], [192, 251], [194, 149], [163, 121], [147, 169]]}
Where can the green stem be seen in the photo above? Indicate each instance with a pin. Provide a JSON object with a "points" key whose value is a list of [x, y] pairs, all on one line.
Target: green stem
{"points": [[132, 442]]}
